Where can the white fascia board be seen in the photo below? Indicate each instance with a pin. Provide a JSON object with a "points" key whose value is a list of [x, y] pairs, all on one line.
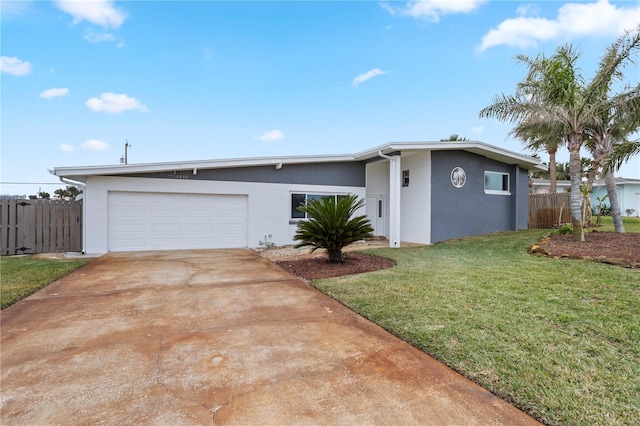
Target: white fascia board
{"points": [[80, 173], [476, 147]]}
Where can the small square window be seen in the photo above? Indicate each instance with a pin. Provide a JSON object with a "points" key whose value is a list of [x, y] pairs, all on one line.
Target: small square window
{"points": [[405, 178]]}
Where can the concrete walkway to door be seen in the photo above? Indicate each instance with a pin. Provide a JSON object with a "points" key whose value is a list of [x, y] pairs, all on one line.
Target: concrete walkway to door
{"points": [[216, 337]]}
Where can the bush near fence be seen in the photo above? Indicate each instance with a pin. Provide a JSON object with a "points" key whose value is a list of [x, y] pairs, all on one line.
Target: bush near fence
{"points": [[549, 210], [40, 226]]}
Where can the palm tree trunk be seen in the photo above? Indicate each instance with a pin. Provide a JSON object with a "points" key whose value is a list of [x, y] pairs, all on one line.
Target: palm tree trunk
{"points": [[576, 196], [552, 171], [610, 182], [591, 177], [335, 256]]}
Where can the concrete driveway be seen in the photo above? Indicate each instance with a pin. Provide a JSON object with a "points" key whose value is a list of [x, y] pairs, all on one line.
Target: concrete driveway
{"points": [[216, 337]]}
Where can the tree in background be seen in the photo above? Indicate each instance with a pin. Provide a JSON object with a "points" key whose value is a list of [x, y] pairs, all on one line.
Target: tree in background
{"points": [[454, 137], [330, 225], [71, 192], [538, 139], [554, 95], [41, 194]]}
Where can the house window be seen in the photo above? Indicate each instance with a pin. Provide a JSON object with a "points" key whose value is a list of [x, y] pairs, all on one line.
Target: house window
{"points": [[496, 183], [405, 178], [298, 200]]}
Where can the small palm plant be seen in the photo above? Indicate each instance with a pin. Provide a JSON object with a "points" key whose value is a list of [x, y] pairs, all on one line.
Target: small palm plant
{"points": [[330, 225]]}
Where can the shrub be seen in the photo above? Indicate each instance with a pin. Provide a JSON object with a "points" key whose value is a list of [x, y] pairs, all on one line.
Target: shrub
{"points": [[331, 226], [564, 230]]}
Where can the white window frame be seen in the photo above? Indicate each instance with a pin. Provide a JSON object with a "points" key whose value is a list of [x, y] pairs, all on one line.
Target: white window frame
{"points": [[306, 195], [497, 191]]}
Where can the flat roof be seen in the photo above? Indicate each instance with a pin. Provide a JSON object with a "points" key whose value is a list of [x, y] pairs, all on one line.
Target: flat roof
{"points": [[80, 173]]}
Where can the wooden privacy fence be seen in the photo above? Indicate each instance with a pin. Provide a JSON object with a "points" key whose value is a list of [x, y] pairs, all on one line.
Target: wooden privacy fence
{"points": [[549, 210], [40, 226]]}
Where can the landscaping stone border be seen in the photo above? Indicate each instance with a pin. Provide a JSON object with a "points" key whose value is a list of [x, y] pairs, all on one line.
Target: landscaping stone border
{"points": [[538, 249]]}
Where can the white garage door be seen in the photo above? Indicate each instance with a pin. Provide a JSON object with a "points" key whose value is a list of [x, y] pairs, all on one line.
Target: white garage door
{"points": [[167, 221]]}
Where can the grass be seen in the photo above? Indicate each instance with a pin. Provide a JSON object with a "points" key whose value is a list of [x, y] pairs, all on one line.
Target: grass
{"points": [[24, 275], [559, 339], [631, 224]]}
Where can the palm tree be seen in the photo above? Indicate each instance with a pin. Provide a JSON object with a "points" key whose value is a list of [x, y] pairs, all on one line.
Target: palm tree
{"points": [[562, 171], [608, 131], [620, 155], [537, 138], [554, 95], [330, 225]]}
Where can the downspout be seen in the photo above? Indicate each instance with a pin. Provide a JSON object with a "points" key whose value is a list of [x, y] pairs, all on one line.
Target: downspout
{"points": [[394, 199], [84, 209]]}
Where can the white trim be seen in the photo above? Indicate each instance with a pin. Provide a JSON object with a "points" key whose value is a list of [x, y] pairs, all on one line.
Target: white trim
{"points": [[497, 191]]}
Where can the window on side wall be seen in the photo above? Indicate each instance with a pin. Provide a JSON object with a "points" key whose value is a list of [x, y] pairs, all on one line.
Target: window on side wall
{"points": [[496, 183], [405, 178], [298, 200]]}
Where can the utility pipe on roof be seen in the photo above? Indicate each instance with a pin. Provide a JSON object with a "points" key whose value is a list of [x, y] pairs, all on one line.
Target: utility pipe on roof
{"points": [[71, 182], [384, 155]]}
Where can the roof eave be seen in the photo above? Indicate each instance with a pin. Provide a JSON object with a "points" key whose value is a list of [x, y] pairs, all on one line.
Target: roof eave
{"points": [[476, 147], [81, 173]]}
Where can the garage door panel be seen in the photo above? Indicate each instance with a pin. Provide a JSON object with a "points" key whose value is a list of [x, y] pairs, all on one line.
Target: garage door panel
{"points": [[164, 221]]}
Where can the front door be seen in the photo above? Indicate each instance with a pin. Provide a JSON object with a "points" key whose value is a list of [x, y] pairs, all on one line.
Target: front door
{"points": [[375, 213]]}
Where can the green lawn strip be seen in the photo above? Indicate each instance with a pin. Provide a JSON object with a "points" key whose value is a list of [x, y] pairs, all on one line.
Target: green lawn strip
{"points": [[631, 224], [22, 276], [558, 338]]}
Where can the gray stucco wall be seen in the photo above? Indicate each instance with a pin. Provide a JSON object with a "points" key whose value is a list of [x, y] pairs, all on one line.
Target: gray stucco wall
{"points": [[460, 212], [350, 173]]}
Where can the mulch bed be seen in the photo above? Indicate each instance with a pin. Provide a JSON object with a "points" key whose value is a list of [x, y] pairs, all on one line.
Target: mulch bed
{"points": [[608, 247], [314, 268]]}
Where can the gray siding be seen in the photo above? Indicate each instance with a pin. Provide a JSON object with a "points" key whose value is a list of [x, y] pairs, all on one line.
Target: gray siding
{"points": [[338, 174], [460, 212], [521, 198]]}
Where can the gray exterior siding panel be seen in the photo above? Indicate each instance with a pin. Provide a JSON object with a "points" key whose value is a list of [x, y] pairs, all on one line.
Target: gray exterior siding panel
{"points": [[337, 174], [459, 212], [521, 199]]}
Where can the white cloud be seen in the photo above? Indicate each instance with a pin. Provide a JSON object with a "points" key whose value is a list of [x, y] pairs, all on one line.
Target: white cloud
{"points": [[432, 10], [367, 75], [528, 9], [94, 37], [66, 148], [271, 136], [115, 103], [14, 8], [477, 129], [574, 20], [95, 145], [53, 93], [14, 66], [98, 12]]}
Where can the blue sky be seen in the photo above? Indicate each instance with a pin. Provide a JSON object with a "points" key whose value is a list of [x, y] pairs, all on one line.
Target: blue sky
{"points": [[210, 79]]}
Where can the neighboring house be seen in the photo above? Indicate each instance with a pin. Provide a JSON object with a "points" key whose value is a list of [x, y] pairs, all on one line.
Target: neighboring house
{"points": [[628, 191], [543, 186], [421, 192]]}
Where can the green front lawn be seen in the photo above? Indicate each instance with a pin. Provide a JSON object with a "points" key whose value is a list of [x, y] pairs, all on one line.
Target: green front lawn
{"points": [[24, 275], [560, 339]]}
